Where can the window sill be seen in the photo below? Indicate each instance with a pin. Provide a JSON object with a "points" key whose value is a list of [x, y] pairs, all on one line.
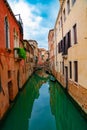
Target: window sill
{"points": [[65, 56], [70, 79], [76, 83], [8, 50], [18, 59], [75, 43]]}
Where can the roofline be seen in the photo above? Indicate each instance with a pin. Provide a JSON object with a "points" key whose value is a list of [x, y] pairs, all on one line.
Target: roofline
{"points": [[27, 42], [33, 41], [51, 30], [59, 12], [8, 6]]}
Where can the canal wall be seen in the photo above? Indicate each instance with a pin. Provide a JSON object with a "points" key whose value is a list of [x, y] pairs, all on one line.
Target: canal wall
{"points": [[13, 76], [76, 91]]}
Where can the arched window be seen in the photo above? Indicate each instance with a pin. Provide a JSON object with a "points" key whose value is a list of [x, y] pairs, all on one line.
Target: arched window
{"points": [[7, 33]]}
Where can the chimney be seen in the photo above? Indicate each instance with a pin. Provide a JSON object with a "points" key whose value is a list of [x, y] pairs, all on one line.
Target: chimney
{"points": [[61, 1]]}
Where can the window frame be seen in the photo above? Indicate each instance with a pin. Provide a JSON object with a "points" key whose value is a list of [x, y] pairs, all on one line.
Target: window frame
{"points": [[69, 39], [61, 22], [7, 33], [76, 71], [63, 67], [16, 38], [64, 15], [70, 70], [68, 6], [75, 33], [73, 2]]}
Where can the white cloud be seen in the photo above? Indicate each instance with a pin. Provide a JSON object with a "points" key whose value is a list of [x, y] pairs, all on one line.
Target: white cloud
{"points": [[35, 25]]}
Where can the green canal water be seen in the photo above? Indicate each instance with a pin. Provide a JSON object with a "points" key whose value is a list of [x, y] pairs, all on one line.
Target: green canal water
{"points": [[43, 105]]}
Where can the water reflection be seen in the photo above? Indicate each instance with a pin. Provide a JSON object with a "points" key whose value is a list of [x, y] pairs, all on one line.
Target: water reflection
{"points": [[19, 115], [43, 105], [66, 115], [42, 118]]}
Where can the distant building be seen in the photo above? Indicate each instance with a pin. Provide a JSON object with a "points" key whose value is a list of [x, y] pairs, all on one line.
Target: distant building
{"points": [[70, 46], [42, 56], [29, 62], [34, 45]]}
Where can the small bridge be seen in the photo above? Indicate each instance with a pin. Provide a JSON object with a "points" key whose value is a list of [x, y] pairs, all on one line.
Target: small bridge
{"points": [[44, 67]]}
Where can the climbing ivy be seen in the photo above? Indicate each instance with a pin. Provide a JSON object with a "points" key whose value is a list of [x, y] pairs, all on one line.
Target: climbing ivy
{"points": [[21, 52]]}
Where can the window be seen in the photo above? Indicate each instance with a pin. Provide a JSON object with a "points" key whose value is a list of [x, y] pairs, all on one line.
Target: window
{"points": [[64, 15], [16, 38], [63, 67], [16, 43], [75, 33], [59, 25], [60, 66], [61, 21], [9, 74], [69, 39], [70, 69], [73, 1], [76, 71], [57, 65], [60, 46], [68, 6], [7, 33], [64, 46]]}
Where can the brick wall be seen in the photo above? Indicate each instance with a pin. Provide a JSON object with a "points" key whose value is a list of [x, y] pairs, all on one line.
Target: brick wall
{"points": [[79, 94], [76, 91]]}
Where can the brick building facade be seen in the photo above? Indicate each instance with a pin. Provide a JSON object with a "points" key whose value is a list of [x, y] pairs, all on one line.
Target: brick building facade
{"points": [[13, 65]]}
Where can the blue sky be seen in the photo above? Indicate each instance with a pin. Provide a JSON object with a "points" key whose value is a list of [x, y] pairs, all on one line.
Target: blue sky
{"points": [[38, 17]]}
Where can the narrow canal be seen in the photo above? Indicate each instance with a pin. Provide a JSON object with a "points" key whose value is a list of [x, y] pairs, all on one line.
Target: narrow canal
{"points": [[43, 105]]}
